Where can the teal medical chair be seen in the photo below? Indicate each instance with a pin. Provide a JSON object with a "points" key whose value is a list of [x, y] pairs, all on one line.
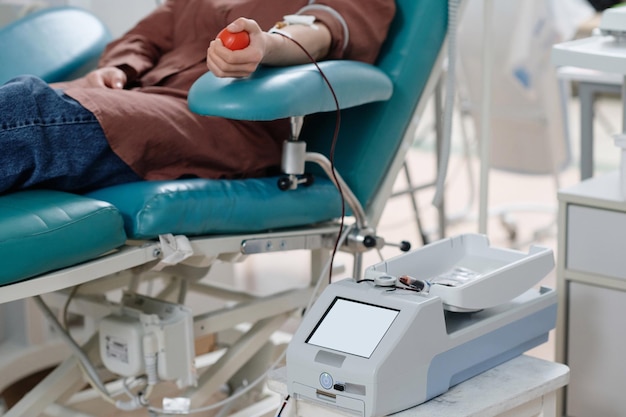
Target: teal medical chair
{"points": [[117, 236]]}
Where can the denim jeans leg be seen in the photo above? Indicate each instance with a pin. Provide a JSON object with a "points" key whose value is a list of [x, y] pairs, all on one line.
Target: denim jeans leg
{"points": [[48, 140]]}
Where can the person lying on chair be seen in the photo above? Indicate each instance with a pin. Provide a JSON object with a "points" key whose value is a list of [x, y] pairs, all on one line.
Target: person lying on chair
{"points": [[128, 120]]}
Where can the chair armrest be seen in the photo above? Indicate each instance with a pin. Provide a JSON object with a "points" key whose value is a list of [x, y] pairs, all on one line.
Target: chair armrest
{"points": [[278, 92]]}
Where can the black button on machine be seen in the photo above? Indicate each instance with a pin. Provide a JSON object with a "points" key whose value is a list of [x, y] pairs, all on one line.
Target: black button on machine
{"points": [[339, 387]]}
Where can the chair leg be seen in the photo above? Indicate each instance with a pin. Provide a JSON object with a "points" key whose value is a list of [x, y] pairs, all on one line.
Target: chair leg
{"points": [[26, 344], [246, 347], [59, 385], [413, 199]]}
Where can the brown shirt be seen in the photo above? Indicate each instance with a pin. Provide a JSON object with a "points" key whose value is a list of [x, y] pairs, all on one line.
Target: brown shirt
{"points": [[149, 124]]}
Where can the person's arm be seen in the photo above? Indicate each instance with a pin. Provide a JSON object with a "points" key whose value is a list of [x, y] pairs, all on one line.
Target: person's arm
{"points": [[106, 77], [267, 48]]}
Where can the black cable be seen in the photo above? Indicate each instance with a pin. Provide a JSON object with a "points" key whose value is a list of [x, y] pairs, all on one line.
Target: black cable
{"points": [[331, 156], [283, 406]]}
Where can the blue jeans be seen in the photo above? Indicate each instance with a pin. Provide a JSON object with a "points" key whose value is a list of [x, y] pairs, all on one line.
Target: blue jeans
{"points": [[48, 140]]}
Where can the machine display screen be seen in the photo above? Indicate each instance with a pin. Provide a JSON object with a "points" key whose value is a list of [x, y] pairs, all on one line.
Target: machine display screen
{"points": [[352, 327]]}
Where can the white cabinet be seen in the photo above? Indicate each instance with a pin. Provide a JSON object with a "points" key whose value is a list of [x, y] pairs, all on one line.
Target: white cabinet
{"points": [[591, 281], [596, 349], [596, 241]]}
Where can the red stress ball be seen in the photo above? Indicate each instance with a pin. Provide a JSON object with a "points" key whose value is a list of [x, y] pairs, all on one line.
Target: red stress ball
{"points": [[234, 41]]}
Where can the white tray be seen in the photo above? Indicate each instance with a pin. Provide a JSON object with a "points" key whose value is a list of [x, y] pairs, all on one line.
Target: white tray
{"points": [[500, 275]]}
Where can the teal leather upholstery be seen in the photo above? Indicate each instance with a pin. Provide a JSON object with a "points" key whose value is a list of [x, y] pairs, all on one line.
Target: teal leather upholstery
{"points": [[369, 139], [55, 44], [44, 230], [199, 207], [371, 135], [280, 91], [41, 231]]}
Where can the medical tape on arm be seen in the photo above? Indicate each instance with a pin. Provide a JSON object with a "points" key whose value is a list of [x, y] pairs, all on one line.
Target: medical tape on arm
{"points": [[293, 19], [301, 18]]}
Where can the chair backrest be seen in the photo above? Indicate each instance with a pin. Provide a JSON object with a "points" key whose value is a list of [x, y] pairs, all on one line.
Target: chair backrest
{"points": [[371, 136], [55, 44]]}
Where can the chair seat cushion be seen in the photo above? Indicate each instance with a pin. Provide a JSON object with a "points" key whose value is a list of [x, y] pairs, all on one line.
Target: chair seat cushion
{"points": [[200, 206], [41, 231]]}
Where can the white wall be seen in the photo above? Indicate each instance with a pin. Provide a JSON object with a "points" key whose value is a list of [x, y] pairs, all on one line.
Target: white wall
{"points": [[11, 10], [119, 15]]}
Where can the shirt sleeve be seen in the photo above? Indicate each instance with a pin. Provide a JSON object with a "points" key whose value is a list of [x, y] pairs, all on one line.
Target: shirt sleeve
{"points": [[358, 28], [139, 49]]}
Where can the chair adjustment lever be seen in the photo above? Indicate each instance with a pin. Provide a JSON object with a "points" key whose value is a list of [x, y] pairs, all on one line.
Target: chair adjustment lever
{"points": [[362, 240], [403, 245], [292, 181]]}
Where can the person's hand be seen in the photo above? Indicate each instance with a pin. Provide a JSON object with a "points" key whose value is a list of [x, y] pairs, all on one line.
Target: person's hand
{"points": [[223, 62], [106, 77]]}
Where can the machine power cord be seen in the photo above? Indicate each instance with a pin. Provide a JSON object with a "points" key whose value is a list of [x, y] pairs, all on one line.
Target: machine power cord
{"points": [[282, 407]]}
